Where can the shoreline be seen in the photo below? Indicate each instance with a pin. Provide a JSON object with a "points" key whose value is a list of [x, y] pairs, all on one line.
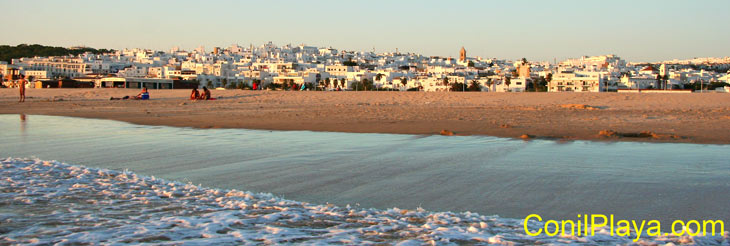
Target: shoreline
{"points": [[664, 118], [596, 138]]}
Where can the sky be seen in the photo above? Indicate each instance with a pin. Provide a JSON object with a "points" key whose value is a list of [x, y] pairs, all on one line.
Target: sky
{"points": [[542, 30]]}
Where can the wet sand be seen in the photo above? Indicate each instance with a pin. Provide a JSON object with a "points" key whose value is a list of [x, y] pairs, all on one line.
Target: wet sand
{"points": [[691, 118]]}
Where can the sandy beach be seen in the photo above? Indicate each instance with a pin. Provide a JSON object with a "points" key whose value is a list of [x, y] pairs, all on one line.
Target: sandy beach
{"points": [[691, 118]]}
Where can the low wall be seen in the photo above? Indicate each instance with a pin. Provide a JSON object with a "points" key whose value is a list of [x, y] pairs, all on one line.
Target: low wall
{"points": [[652, 91]]}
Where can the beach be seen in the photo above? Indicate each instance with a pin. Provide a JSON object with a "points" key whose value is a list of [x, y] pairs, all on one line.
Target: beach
{"points": [[682, 118]]}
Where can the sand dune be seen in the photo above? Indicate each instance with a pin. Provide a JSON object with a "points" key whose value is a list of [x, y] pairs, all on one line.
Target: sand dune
{"points": [[696, 118]]}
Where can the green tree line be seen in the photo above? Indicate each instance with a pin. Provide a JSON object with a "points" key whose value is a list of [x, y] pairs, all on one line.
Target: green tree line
{"points": [[7, 52]]}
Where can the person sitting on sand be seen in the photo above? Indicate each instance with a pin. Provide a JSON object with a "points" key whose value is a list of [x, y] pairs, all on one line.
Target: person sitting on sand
{"points": [[205, 95], [143, 95], [194, 95]]}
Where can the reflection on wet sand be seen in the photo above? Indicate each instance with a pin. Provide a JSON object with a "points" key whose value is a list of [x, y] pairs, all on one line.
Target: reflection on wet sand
{"points": [[23, 125]]}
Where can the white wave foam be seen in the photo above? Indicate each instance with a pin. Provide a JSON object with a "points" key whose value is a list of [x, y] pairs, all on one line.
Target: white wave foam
{"points": [[48, 202]]}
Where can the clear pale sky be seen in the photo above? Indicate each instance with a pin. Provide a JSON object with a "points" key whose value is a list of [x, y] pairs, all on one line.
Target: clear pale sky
{"points": [[637, 30]]}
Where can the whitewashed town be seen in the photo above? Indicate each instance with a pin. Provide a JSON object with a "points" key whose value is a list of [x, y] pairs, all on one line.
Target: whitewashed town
{"points": [[302, 67]]}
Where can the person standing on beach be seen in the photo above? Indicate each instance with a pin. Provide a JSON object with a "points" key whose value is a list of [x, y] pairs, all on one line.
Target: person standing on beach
{"points": [[21, 88]]}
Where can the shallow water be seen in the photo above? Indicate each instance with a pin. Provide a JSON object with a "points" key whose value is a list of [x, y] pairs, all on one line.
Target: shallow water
{"points": [[47, 202], [488, 175]]}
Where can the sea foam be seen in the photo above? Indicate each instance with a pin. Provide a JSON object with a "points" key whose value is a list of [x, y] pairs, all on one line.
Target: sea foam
{"points": [[48, 202]]}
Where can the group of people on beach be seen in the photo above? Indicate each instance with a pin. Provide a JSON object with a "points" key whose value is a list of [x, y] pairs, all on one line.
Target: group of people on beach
{"points": [[195, 95], [143, 95]]}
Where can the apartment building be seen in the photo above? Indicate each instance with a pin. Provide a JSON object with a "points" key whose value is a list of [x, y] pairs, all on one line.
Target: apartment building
{"points": [[57, 66], [577, 82]]}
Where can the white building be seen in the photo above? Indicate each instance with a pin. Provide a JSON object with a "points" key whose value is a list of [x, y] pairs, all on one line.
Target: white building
{"points": [[594, 63], [638, 82], [339, 70], [36, 74], [513, 85], [433, 84], [577, 82], [56, 66]]}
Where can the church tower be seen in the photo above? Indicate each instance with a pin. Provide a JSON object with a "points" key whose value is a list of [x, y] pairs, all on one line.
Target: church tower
{"points": [[462, 54]]}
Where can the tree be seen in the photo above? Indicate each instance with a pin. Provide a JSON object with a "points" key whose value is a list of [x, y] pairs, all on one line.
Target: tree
{"points": [[224, 82], [446, 81], [404, 81], [474, 86], [7, 53], [326, 83], [715, 85], [514, 73], [490, 82], [507, 81], [337, 82], [379, 76], [343, 83], [698, 85], [457, 86], [549, 77], [470, 64], [541, 84], [349, 63], [210, 84], [365, 84], [358, 85]]}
